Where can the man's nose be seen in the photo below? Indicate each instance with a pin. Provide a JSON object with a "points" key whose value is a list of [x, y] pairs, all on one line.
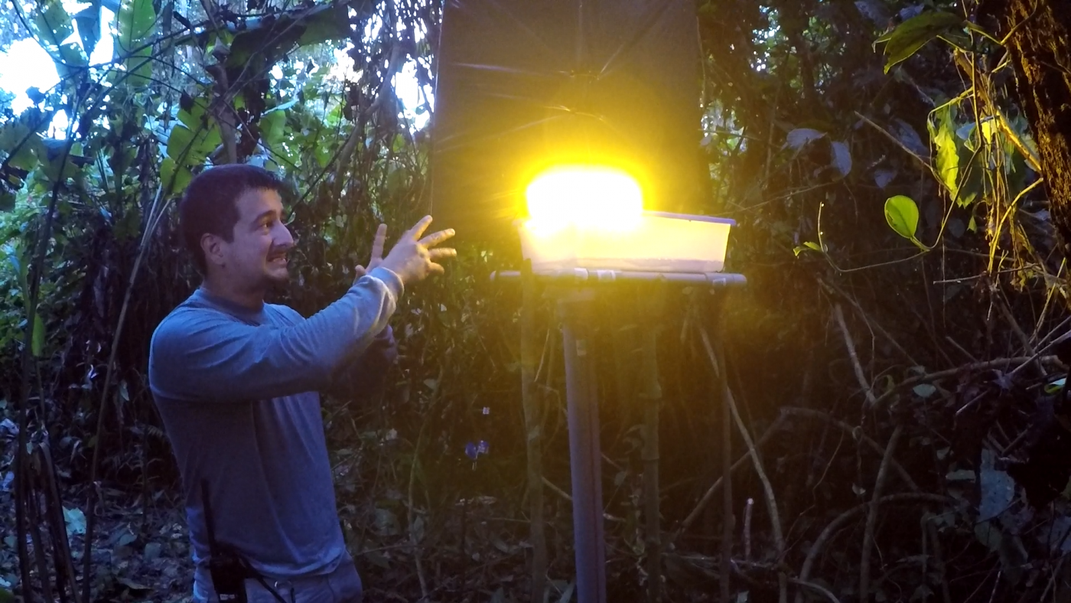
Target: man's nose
{"points": [[284, 238]]}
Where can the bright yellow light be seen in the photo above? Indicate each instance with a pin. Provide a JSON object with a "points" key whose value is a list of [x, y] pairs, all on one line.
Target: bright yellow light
{"points": [[589, 197]]}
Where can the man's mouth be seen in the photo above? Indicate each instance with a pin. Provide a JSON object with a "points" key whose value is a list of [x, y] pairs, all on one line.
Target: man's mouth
{"points": [[278, 259]]}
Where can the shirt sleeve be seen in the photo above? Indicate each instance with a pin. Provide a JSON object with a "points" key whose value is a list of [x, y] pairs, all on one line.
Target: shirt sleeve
{"points": [[199, 354]]}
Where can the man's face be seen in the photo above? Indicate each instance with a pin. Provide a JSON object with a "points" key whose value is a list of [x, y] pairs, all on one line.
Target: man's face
{"points": [[256, 257]]}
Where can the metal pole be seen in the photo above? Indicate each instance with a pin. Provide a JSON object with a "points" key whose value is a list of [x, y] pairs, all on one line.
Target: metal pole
{"points": [[584, 452]]}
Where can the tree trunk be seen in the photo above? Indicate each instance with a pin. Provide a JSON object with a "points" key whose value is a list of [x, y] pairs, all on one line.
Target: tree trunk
{"points": [[1040, 46]]}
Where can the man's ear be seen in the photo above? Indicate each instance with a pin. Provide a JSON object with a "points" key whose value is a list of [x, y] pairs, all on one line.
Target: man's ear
{"points": [[212, 246]]}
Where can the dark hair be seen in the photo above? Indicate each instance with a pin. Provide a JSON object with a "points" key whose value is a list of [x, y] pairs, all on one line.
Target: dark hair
{"points": [[210, 205]]}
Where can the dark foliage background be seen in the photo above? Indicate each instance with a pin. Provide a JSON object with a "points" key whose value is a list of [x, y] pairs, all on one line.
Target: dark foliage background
{"points": [[903, 384]]}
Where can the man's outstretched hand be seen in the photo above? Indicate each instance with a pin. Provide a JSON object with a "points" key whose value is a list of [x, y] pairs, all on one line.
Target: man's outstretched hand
{"points": [[412, 257]]}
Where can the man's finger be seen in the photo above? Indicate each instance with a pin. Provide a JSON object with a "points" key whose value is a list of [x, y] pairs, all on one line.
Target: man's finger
{"points": [[358, 272], [434, 268], [377, 243], [419, 228], [442, 252], [437, 237]]}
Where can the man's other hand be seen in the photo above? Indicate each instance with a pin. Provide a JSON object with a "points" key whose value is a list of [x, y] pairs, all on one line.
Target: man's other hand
{"points": [[412, 257]]}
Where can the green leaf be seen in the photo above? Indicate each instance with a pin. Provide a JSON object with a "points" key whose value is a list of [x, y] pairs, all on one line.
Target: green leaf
{"points": [[1055, 386], [944, 138], [330, 24], [134, 25], [903, 217], [190, 147], [54, 27], [88, 21], [53, 24], [911, 35], [179, 143], [175, 178], [192, 113], [129, 226], [807, 245], [272, 127]]}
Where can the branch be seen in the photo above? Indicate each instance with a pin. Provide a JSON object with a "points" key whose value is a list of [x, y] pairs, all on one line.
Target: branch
{"points": [[856, 434], [771, 501], [872, 516], [845, 517], [811, 585], [974, 366], [709, 494], [567, 498], [838, 314]]}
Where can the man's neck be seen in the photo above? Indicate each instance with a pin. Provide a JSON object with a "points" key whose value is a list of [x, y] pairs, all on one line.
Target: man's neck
{"points": [[224, 289]]}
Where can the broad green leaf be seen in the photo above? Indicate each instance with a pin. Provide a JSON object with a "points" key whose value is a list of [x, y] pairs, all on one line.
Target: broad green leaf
{"points": [[903, 217], [842, 157], [134, 26], [59, 169], [12, 135], [175, 178], [88, 20], [129, 226], [179, 143], [54, 27], [192, 112], [53, 24], [272, 127], [330, 24], [191, 147], [948, 160], [913, 34], [801, 136]]}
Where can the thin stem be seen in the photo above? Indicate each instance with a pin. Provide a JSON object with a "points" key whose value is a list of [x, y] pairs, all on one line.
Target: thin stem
{"points": [[835, 525], [838, 314], [771, 502], [872, 516], [91, 505]]}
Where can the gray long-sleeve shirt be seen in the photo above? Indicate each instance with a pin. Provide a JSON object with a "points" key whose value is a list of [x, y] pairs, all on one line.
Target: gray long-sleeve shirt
{"points": [[237, 392]]}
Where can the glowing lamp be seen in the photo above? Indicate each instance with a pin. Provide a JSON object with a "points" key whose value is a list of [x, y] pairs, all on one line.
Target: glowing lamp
{"points": [[593, 217], [590, 197]]}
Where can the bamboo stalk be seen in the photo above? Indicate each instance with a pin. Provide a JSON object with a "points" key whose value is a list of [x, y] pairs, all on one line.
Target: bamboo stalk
{"points": [[728, 520], [43, 575], [718, 364], [91, 514], [61, 547], [533, 428], [652, 397], [31, 290]]}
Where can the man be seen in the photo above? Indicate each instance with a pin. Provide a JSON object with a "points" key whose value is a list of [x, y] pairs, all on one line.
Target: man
{"points": [[236, 382]]}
